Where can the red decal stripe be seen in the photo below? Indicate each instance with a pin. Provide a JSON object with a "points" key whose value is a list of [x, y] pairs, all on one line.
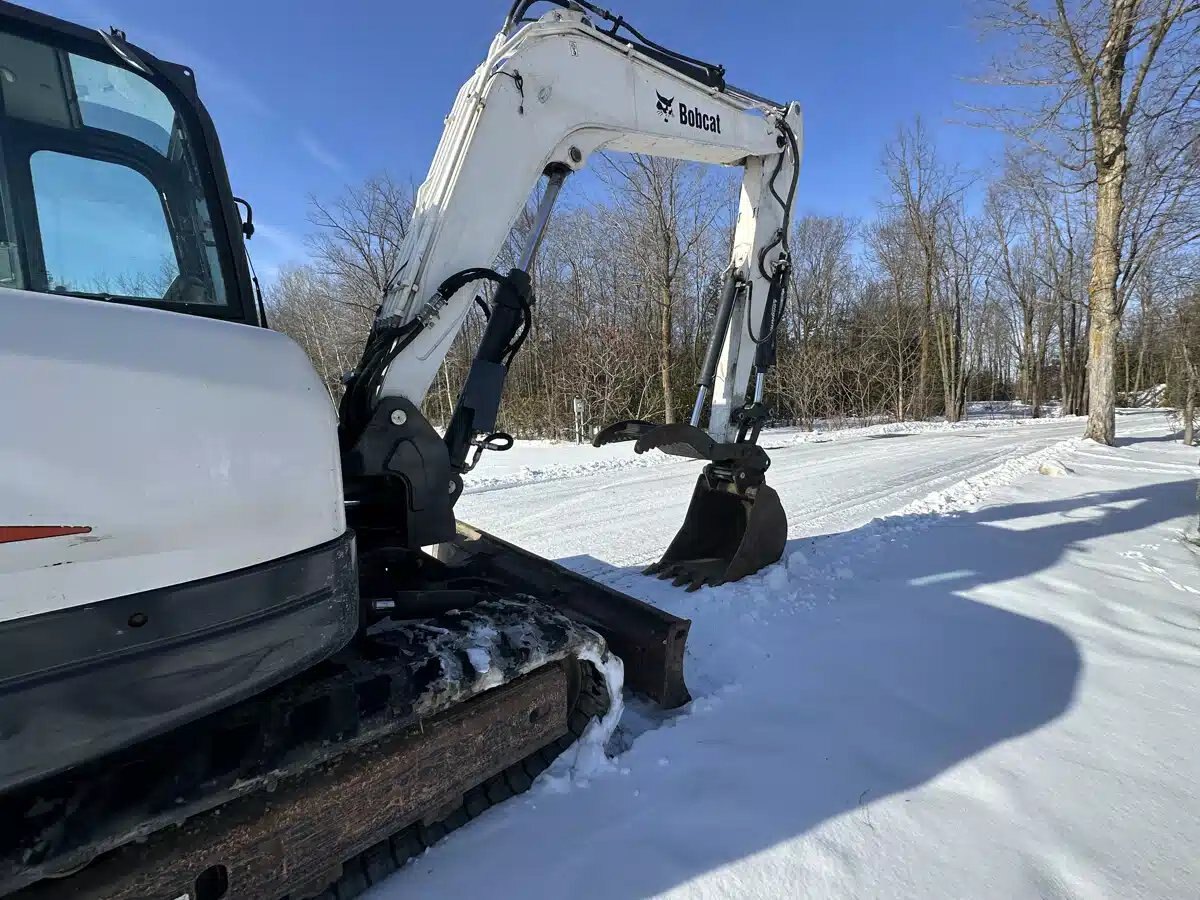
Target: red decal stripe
{"points": [[11, 533]]}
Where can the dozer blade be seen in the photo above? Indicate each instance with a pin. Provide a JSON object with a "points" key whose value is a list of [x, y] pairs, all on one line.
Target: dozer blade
{"points": [[649, 641], [726, 535]]}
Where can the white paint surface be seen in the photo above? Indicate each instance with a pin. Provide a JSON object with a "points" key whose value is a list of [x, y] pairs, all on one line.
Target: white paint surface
{"points": [[190, 447]]}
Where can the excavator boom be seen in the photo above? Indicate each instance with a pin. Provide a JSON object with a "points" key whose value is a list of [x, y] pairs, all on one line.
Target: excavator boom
{"points": [[550, 94]]}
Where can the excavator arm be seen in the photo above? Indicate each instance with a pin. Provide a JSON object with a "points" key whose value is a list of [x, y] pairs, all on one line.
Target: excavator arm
{"points": [[550, 94], [547, 98]]}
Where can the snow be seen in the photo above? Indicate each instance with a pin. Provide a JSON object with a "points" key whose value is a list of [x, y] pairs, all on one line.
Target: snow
{"points": [[480, 660], [587, 757], [964, 679], [1054, 468], [539, 461], [1155, 395]]}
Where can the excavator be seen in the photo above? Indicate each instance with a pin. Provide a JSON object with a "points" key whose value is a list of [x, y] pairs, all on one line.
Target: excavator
{"points": [[246, 647]]}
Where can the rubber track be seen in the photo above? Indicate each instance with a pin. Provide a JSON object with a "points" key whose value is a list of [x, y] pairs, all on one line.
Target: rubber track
{"points": [[373, 687], [378, 862]]}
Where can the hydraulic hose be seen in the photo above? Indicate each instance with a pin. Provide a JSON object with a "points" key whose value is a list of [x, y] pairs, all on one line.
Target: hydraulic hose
{"points": [[388, 339]]}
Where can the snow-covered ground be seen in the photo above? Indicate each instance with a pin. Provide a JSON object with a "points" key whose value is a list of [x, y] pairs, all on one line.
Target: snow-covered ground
{"points": [[976, 673], [537, 461]]}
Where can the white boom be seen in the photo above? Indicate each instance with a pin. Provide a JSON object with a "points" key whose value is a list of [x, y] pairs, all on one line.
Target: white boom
{"points": [[550, 94]]}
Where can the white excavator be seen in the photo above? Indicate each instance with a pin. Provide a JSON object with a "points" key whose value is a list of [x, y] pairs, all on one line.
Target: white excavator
{"points": [[246, 649]]}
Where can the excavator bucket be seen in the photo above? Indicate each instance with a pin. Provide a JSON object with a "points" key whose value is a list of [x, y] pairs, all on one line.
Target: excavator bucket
{"points": [[735, 524], [726, 535]]}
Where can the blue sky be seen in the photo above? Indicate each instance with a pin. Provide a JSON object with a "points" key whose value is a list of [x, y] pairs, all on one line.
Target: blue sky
{"points": [[309, 96]]}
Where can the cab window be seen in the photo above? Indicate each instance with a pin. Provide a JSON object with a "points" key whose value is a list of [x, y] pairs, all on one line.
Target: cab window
{"points": [[101, 192], [102, 227]]}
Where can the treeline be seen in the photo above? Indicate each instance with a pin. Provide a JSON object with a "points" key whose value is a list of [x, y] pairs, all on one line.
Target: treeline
{"points": [[963, 286]]}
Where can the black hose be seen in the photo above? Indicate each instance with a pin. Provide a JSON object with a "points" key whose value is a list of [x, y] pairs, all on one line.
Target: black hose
{"points": [[387, 340], [517, 11], [783, 237], [520, 7], [526, 324], [777, 295], [383, 346]]}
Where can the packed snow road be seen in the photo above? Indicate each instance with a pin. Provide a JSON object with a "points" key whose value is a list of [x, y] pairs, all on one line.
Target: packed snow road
{"points": [[623, 509], [975, 673]]}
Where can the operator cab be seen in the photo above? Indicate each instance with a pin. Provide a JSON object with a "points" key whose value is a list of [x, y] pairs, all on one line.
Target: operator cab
{"points": [[172, 531], [111, 182]]}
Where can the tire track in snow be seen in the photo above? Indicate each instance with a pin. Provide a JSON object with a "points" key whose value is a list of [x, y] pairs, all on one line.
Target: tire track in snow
{"points": [[625, 516]]}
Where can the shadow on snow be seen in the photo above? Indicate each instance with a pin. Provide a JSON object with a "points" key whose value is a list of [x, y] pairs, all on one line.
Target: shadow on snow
{"points": [[877, 683]]}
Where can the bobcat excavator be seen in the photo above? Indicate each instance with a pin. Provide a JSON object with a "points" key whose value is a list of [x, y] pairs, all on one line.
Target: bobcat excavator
{"points": [[246, 650]]}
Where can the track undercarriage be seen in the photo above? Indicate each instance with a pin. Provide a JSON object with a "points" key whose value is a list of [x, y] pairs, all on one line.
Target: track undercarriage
{"points": [[328, 782]]}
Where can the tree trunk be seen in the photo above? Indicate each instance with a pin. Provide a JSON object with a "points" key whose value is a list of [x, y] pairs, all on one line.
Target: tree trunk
{"points": [[1124, 393], [1064, 366], [920, 397], [1189, 398], [900, 374], [1189, 412], [1102, 294], [1139, 376], [1026, 377], [664, 356], [1079, 366]]}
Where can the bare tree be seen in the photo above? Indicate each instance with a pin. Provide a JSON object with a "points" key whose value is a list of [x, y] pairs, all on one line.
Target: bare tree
{"points": [[1180, 332], [823, 276], [958, 289], [304, 304], [1103, 70], [671, 214], [923, 191], [1021, 269], [359, 238], [896, 256], [328, 306]]}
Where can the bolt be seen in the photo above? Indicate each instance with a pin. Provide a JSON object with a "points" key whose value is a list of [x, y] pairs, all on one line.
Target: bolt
{"points": [[399, 417], [453, 486], [575, 155]]}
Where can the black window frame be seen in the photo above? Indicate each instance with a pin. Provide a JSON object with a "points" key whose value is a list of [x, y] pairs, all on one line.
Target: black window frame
{"points": [[178, 84]]}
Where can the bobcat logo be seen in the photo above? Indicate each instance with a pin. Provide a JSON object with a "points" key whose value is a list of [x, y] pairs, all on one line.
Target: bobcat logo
{"points": [[664, 106]]}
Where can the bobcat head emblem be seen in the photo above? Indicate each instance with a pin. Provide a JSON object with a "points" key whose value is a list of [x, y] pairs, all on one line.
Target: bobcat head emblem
{"points": [[664, 106]]}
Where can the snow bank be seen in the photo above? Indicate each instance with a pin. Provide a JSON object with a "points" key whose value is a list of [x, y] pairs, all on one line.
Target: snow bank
{"points": [[971, 492], [1155, 395]]}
